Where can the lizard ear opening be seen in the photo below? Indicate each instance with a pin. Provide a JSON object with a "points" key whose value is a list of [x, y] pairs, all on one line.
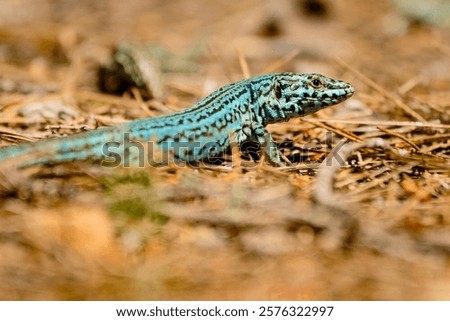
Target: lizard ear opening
{"points": [[278, 90]]}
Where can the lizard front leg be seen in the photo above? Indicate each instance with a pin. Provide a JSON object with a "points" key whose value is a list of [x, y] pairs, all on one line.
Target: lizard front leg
{"points": [[252, 130]]}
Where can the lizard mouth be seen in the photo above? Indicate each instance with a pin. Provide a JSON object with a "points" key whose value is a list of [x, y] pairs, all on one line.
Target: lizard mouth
{"points": [[350, 91]]}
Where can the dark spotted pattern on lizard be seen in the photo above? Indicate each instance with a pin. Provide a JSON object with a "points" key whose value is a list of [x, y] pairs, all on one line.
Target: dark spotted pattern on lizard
{"points": [[235, 113]]}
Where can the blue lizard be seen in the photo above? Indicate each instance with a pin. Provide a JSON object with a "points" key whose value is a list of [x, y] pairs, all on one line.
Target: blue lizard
{"points": [[235, 113]]}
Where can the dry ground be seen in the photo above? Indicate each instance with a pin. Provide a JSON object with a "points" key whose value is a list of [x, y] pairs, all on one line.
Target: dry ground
{"points": [[376, 229]]}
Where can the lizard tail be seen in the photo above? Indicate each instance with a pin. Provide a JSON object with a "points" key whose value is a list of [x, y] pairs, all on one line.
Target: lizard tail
{"points": [[91, 145]]}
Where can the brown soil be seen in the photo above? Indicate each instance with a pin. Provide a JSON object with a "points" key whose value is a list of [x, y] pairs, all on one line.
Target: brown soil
{"points": [[376, 229]]}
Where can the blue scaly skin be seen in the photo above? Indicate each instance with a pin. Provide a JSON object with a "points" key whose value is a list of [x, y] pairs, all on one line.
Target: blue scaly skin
{"points": [[235, 113]]}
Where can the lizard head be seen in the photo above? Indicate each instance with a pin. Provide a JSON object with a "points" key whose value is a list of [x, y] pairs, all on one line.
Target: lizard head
{"points": [[291, 95]]}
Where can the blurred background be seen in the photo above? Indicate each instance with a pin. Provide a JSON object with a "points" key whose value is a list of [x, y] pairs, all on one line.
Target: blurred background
{"points": [[72, 232], [44, 37]]}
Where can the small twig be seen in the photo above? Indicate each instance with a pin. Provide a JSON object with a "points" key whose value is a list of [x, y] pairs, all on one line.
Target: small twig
{"points": [[406, 140], [409, 84], [6, 132], [137, 95], [281, 62], [383, 123], [339, 131], [285, 159], [108, 121], [79, 127], [298, 167], [427, 138], [243, 63]]}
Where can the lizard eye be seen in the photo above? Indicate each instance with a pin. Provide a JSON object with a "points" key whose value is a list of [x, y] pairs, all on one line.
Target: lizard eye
{"points": [[278, 90], [316, 83]]}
